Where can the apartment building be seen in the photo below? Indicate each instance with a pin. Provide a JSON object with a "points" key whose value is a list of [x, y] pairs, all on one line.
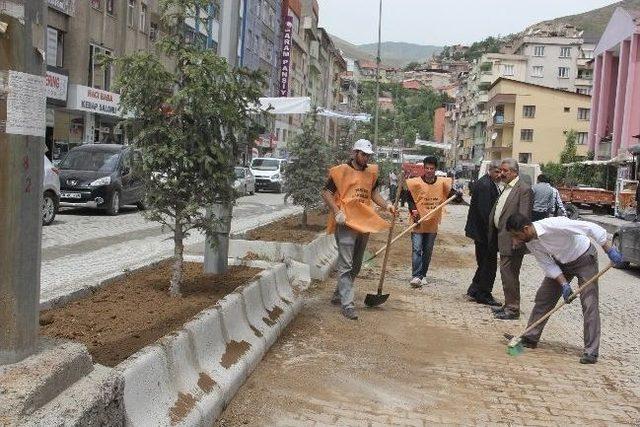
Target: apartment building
{"points": [[530, 122]]}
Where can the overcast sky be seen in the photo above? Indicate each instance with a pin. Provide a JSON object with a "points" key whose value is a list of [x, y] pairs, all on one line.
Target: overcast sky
{"points": [[440, 23]]}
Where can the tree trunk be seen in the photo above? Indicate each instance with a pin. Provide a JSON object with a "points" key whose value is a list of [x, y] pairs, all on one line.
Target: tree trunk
{"points": [[304, 218], [216, 250], [178, 260]]}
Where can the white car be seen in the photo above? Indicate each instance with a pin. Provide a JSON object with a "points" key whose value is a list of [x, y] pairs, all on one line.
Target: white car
{"points": [[244, 181], [51, 192]]}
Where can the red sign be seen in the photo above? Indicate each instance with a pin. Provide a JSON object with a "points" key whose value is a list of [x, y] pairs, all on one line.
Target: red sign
{"points": [[285, 57]]}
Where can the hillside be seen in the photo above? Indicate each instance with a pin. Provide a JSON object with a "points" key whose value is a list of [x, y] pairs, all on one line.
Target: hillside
{"points": [[394, 54], [595, 21]]}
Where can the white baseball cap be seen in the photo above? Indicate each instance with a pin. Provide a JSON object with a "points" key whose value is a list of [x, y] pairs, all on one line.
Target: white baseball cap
{"points": [[363, 145]]}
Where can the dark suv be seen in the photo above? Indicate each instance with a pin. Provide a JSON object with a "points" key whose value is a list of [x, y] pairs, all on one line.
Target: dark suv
{"points": [[100, 176]]}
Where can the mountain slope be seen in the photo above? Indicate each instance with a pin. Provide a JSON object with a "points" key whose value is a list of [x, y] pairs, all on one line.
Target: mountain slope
{"points": [[400, 54], [350, 50]]}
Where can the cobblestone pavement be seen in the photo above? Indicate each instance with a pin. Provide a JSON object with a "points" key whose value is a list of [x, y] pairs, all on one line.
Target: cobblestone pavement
{"points": [[429, 356], [83, 247]]}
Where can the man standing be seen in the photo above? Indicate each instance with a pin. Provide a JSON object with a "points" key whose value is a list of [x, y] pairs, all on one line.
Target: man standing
{"points": [[349, 193], [563, 250], [485, 195], [544, 200], [393, 185], [516, 197], [425, 193]]}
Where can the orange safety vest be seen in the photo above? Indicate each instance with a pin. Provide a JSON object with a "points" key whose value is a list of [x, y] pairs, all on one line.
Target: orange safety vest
{"points": [[353, 197], [427, 197]]}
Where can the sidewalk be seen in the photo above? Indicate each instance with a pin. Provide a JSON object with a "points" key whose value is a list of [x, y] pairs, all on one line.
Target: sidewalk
{"points": [[431, 357]]}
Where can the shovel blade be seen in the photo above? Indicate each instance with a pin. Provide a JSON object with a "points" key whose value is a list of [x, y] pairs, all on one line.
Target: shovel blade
{"points": [[374, 300]]}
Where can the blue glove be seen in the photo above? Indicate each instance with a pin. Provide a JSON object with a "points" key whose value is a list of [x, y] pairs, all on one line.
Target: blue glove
{"points": [[566, 292], [615, 256]]}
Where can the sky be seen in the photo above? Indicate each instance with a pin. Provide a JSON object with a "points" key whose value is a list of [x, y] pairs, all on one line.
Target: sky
{"points": [[441, 23]]}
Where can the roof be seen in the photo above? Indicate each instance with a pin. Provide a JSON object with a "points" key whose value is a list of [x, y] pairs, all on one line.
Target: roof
{"points": [[500, 79], [101, 147], [412, 84]]}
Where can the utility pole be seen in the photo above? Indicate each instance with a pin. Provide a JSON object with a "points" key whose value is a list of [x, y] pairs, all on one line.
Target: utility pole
{"points": [[378, 60], [22, 130]]}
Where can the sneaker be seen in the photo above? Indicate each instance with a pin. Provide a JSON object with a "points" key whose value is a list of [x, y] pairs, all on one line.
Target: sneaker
{"points": [[424, 282], [416, 282], [335, 299], [588, 359], [350, 313]]}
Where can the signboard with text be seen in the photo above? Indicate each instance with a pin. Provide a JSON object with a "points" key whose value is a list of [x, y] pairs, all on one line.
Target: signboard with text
{"points": [[68, 7], [285, 57], [84, 98], [56, 87]]}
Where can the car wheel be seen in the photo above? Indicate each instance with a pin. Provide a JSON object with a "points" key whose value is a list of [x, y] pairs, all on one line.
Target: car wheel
{"points": [[572, 211], [114, 206], [141, 206], [279, 189], [48, 208], [617, 243], [246, 190]]}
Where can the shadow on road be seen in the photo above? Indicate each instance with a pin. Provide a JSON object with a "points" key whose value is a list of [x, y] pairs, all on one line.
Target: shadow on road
{"points": [[124, 210]]}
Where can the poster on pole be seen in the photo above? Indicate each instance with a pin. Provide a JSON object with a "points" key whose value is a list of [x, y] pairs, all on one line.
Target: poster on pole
{"points": [[26, 103]]}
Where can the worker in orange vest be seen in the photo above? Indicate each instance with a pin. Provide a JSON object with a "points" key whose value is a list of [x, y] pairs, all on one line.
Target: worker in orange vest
{"points": [[349, 192], [425, 193]]}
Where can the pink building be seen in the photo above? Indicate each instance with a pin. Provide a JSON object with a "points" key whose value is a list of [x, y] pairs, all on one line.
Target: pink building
{"points": [[615, 105]]}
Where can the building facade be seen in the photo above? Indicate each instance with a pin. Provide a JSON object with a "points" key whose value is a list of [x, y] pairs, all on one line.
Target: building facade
{"points": [[615, 122], [530, 122]]}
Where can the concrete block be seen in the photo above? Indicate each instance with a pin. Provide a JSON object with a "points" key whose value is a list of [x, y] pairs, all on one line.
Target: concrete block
{"points": [[256, 313], [28, 385], [148, 387], [274, 305]]}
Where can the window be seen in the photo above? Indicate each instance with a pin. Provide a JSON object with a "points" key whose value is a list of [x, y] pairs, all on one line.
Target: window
{"points": [[99, 75], [143, 17], [567, 109], [581, 138], [584, 90], [538, 71], [153, 32], [563, 72], [529, 111], [507, 70], [96, 4], [587, 54], [110, 7], [55, 47], [565, 52], [525, 157], [131, 13], [538, 51], [526, 134], [584, 113]]}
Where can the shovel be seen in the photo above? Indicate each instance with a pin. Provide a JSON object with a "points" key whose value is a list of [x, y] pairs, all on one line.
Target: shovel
{"points": [[373, 300], [515, 346], [408, 229]]}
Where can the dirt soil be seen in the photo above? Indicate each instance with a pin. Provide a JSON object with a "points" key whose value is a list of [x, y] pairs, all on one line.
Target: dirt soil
{"points": [[123, 317], [290, 229]]}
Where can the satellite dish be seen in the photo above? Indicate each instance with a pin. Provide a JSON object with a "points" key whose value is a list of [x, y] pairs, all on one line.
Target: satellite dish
{"points": [[493, 113], [494, 136]]}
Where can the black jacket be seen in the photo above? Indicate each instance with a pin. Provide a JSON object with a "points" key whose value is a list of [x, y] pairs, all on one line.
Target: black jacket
{"points": [[485, 195]]}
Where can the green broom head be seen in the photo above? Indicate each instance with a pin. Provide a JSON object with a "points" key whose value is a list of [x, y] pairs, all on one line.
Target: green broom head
{"points": [[369, 260], [515, 347]]}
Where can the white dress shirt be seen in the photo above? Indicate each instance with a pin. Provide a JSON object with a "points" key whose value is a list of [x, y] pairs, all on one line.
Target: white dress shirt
{"points": [[563, 240], [502, 200]]}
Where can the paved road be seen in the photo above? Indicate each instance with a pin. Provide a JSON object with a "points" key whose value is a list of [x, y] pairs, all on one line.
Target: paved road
{"points": [[430, 357], [82, 247]]}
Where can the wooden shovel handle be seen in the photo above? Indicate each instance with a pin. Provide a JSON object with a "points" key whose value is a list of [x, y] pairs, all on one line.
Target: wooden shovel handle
{"points": [[393, 223], [563, 303], [414, 225]]}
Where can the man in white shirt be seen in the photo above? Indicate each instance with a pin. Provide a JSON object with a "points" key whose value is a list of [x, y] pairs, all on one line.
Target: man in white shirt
{"points": [[564, 250]]}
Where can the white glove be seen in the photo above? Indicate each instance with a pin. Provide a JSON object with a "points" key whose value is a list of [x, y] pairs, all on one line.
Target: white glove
{"points": [[341, 218]]}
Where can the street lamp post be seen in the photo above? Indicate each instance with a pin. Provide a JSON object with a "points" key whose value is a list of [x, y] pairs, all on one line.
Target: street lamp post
{"points": [[378, 60]]}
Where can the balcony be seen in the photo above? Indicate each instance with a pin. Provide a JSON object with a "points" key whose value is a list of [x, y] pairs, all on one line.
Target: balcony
{"points": [[584, 63], [500, 122], [584, 82]]}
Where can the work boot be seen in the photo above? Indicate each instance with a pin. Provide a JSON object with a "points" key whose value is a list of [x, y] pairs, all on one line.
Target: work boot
{"points": [[526, 342], [335, 299], [350, 313], [488, 300], [496, 310], [588, 359], [507, 315], [416, 282]]}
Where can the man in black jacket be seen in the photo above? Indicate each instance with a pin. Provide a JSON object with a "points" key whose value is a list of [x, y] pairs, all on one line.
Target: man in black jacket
{"points": [[485, 194]]}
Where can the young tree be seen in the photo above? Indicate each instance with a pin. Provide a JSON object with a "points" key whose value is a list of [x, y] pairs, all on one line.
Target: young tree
{"points": [[189, 110], [306, 175], [570, 152]]}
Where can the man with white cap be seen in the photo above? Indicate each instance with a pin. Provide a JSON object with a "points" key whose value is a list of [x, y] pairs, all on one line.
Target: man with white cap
{"points": [[349, 193]]}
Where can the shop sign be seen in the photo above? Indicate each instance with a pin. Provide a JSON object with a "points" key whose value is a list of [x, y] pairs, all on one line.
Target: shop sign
{"points": [[285, 57], [68, 7], [56, 86], [84, 98]]}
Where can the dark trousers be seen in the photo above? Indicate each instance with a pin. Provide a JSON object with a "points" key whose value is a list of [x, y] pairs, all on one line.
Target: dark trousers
{"points": [[510, 274], [487, 266], [404, 197], [392, 192], [584, 268], [535, 215]]}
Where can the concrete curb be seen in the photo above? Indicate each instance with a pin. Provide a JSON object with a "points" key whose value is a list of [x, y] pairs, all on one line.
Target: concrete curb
{"points": [[320, 255], [188, 377]]}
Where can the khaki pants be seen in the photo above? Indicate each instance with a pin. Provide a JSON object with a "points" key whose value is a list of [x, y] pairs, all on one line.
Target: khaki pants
{"points": [[584, 268], [510, 275], [351, 247]]}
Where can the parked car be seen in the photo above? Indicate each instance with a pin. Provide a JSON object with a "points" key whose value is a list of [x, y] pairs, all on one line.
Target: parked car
{"points": [[268, 173], [50, 192], [627, 240], [244, 183], [100, 176]]}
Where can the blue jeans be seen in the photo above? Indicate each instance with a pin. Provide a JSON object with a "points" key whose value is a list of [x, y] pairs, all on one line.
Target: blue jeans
{"points": [[422, 248]]}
